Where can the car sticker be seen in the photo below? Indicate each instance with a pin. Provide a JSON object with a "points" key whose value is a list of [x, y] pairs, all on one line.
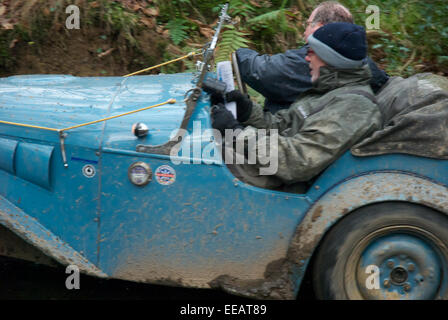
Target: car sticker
{"points": [[165, 175]]}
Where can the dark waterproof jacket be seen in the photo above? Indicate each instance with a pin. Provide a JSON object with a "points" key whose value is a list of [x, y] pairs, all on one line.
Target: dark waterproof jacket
{"points": [[415, 118], [281, 78], [318, 127]]}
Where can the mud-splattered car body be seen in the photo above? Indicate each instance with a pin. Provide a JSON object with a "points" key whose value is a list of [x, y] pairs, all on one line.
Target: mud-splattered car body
{"points": [[199, 227]]}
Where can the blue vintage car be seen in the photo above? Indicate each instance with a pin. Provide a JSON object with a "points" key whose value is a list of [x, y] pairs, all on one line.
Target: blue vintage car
{"points": [[119, 205]]}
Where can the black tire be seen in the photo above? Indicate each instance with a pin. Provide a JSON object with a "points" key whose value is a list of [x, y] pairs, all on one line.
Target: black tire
{"points": [[408, 242]]}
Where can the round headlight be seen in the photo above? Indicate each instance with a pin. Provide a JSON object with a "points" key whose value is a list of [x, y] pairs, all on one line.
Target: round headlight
{"points": [[140, 173]]}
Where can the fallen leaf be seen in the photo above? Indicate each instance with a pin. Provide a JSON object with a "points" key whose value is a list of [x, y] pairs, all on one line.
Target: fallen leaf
{"points": [[2, 10], [57, 26], [94, 4], [207, 32], [151, 12], [254, 3], [150, 23], [13, 43], [5, 24], [134, 7], [199, 23], [106, 53], [214, 23], [174, 50], [195, 45]]}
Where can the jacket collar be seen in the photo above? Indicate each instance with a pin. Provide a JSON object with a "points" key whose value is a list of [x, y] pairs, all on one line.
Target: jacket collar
{"points": [[332, 78]]}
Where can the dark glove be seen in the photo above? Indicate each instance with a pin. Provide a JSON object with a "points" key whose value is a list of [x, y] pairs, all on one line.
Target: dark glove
{"points": [[215, 89], [243, 104], [223, 119]]}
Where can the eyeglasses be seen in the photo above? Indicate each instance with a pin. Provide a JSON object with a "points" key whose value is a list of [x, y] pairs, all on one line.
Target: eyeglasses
{"points": [[308, 23]]}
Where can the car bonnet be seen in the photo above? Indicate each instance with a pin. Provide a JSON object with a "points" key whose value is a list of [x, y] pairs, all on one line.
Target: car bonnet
{"points": [[61, 101]]}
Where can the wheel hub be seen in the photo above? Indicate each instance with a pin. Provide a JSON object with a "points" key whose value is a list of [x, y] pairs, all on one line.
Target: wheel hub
{"points": [[398, 275], [405, 266]]}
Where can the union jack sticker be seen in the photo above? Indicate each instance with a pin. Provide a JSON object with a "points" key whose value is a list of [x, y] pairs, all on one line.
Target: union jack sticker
{"points": [[165, 175]]}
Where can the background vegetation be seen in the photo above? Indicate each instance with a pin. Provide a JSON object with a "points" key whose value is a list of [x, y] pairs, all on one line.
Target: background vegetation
{"points": [[126, 35]]}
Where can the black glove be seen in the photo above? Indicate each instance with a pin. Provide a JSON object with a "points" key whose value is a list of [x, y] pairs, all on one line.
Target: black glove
{"points": [[243, 104], [223, 119], [215, 89]]}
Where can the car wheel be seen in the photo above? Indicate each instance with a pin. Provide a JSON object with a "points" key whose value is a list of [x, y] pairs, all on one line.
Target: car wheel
{"points": [[387, 251]]}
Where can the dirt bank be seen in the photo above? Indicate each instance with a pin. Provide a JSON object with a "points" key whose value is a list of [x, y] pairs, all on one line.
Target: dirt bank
{"points": [[82, 53], [34, 39]]}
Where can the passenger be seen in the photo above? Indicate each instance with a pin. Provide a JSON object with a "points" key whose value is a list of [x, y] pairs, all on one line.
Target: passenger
{"points": [[281, 78], [325, 121]]}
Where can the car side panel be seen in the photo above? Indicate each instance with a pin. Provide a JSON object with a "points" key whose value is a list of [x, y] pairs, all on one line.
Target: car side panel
{"points": [[204, 224], [63, 200]]}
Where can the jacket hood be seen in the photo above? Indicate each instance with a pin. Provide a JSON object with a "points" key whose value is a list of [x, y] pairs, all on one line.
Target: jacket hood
{"points": [[332, 78]]}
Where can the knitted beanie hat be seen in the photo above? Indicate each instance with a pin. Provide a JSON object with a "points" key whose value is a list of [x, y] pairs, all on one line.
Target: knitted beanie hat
{"points": [[340, 44]]}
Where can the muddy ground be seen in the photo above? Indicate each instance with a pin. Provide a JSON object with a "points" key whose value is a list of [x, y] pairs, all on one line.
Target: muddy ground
{"points": [[21, 280]]}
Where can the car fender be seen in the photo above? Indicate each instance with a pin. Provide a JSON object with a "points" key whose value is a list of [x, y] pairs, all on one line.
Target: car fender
{"points": [[283, 278], [351, 194], [32, 232]]}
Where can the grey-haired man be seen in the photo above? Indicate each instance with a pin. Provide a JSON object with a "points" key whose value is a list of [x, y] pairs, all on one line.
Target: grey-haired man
{"points": [[282, 77]]}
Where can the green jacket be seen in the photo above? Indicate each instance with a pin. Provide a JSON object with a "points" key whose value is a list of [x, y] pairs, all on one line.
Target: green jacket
{"points": [[319, 127], [415, 117]]}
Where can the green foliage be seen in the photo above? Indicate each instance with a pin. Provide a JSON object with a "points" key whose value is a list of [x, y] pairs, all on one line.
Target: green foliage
{"points": [[232, 39], [273, 18], [178, 30], [174, 9], [35, 33], [240, 8], [269, 26], [254, 26], [413, 35], [120, 20], [7, 60]]}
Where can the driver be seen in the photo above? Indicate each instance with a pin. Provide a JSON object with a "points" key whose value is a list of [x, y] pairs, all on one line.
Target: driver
{"points": [[322, 123]]}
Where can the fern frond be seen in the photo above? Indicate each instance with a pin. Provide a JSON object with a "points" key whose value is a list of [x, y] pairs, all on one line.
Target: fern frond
{"points": [[268, 16], [232, 39], [241, 8], [177, 30]]}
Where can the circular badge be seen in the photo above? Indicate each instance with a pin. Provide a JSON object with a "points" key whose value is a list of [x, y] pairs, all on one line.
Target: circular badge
{"points": [[88, 171], [165, 175], [140, 173]]}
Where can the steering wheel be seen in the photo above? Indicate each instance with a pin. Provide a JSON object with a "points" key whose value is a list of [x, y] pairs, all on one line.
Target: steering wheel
{"points": [[236, 72]]}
